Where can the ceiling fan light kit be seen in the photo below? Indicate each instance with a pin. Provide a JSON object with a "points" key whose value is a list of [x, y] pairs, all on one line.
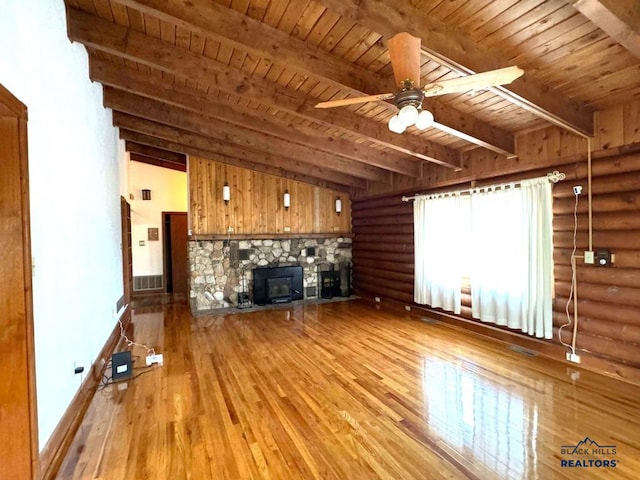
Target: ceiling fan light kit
{"points": [[425, 120], [396, 125], [410, 115], [409, 101]]}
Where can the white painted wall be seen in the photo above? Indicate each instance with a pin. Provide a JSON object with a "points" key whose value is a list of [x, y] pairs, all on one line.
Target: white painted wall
{"points": [[168, 194], [77, 174]]}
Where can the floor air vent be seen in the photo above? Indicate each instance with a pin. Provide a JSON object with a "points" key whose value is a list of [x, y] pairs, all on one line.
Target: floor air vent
{"points": [[522, 350], [428, 320]]}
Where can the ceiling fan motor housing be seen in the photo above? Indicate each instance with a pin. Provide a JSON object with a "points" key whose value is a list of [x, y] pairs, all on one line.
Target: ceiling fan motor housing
{"points": [[411, 97]]}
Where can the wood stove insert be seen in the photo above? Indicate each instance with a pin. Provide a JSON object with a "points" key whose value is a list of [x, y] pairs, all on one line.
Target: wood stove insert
{"points": [[277, 284]]}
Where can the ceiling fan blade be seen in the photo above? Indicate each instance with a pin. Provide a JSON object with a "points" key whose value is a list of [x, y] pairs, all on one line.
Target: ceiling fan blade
{"points": [[477, 81], [404, 51], [354, 100]]}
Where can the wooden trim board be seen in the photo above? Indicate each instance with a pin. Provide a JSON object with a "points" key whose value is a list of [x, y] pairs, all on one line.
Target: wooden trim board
{"points": [[267, 236], [19, 422]]}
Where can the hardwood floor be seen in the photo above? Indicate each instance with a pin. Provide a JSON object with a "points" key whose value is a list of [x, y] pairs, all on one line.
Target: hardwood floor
{"points": [[345, 391]]}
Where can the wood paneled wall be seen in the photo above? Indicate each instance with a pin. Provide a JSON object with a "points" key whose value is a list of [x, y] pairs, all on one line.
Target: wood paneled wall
{"points": [[256, 206], [609, 298]]}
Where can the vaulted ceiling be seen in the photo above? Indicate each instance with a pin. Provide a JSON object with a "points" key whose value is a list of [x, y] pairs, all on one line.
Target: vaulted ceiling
{"points": [[237, 80]]}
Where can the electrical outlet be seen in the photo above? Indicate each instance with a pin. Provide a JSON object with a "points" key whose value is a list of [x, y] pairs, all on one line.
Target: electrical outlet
{"points": [[377, 299], [157, 358], [589, 257], [407, 308], [287, 229], [230, 229], [573, 357]]}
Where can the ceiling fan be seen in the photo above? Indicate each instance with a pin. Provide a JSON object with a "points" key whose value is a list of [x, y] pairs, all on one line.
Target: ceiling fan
{"points": [[404, 51]]}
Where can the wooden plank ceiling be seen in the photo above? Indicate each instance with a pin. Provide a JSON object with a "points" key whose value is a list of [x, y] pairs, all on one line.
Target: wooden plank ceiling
{"points": [[237, 80]]}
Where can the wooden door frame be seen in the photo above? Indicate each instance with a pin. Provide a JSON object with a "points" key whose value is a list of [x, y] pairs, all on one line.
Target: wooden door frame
{"points": [[127, 269], [10, 106]]}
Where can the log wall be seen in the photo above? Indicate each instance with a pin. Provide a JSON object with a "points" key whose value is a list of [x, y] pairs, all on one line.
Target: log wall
{"points": [[256, 206], [608, 298]]}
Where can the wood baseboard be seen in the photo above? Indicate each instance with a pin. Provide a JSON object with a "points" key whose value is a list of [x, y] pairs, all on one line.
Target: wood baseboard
{"points": [[54, 452], [147, 293], [553, 351]]}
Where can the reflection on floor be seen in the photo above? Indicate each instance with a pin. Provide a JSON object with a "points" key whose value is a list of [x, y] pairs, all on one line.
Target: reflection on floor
{"points": [[345, 391]]}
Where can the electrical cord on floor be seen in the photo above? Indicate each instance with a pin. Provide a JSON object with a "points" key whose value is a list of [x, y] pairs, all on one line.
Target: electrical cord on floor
{"points": [[130, 343]]}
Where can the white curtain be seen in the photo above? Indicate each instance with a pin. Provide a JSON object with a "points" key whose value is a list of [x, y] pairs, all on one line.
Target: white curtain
{"points": [[502, 239], [440, 229], [511, 257]]}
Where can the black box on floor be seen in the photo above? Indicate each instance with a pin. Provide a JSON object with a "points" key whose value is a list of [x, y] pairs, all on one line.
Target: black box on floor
{"points": [[121, 366]]}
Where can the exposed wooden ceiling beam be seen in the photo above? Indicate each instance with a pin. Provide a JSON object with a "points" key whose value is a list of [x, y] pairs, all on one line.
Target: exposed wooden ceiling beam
{"points": [[264, 164], [451, 48], [136, 157], [204, 143], [129, 44], [146, 150], [128, 80], [272, 45], [194, 122], [618, 18], [275, 46], [229, 160]]}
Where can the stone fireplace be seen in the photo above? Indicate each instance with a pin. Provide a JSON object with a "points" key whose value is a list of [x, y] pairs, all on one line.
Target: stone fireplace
{"points": [[220, 270]]}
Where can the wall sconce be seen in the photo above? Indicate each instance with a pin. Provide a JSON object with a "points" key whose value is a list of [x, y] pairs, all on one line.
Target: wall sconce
{"points": [[146, 194], [287, 200], [338, 206], [226, 193]]}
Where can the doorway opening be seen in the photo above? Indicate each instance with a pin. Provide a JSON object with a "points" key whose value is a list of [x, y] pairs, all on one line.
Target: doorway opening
{"points": [[176, 265]]}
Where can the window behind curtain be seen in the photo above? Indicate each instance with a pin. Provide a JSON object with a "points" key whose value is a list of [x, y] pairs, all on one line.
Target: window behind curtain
{"points": [[501, 239]]}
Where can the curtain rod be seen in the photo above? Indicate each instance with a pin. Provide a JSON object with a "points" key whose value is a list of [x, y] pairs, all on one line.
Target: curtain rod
{"points": [[554, 177]]}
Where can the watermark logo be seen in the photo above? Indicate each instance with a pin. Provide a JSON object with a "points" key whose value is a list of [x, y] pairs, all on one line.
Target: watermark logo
{"points": [[588, 453]]}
